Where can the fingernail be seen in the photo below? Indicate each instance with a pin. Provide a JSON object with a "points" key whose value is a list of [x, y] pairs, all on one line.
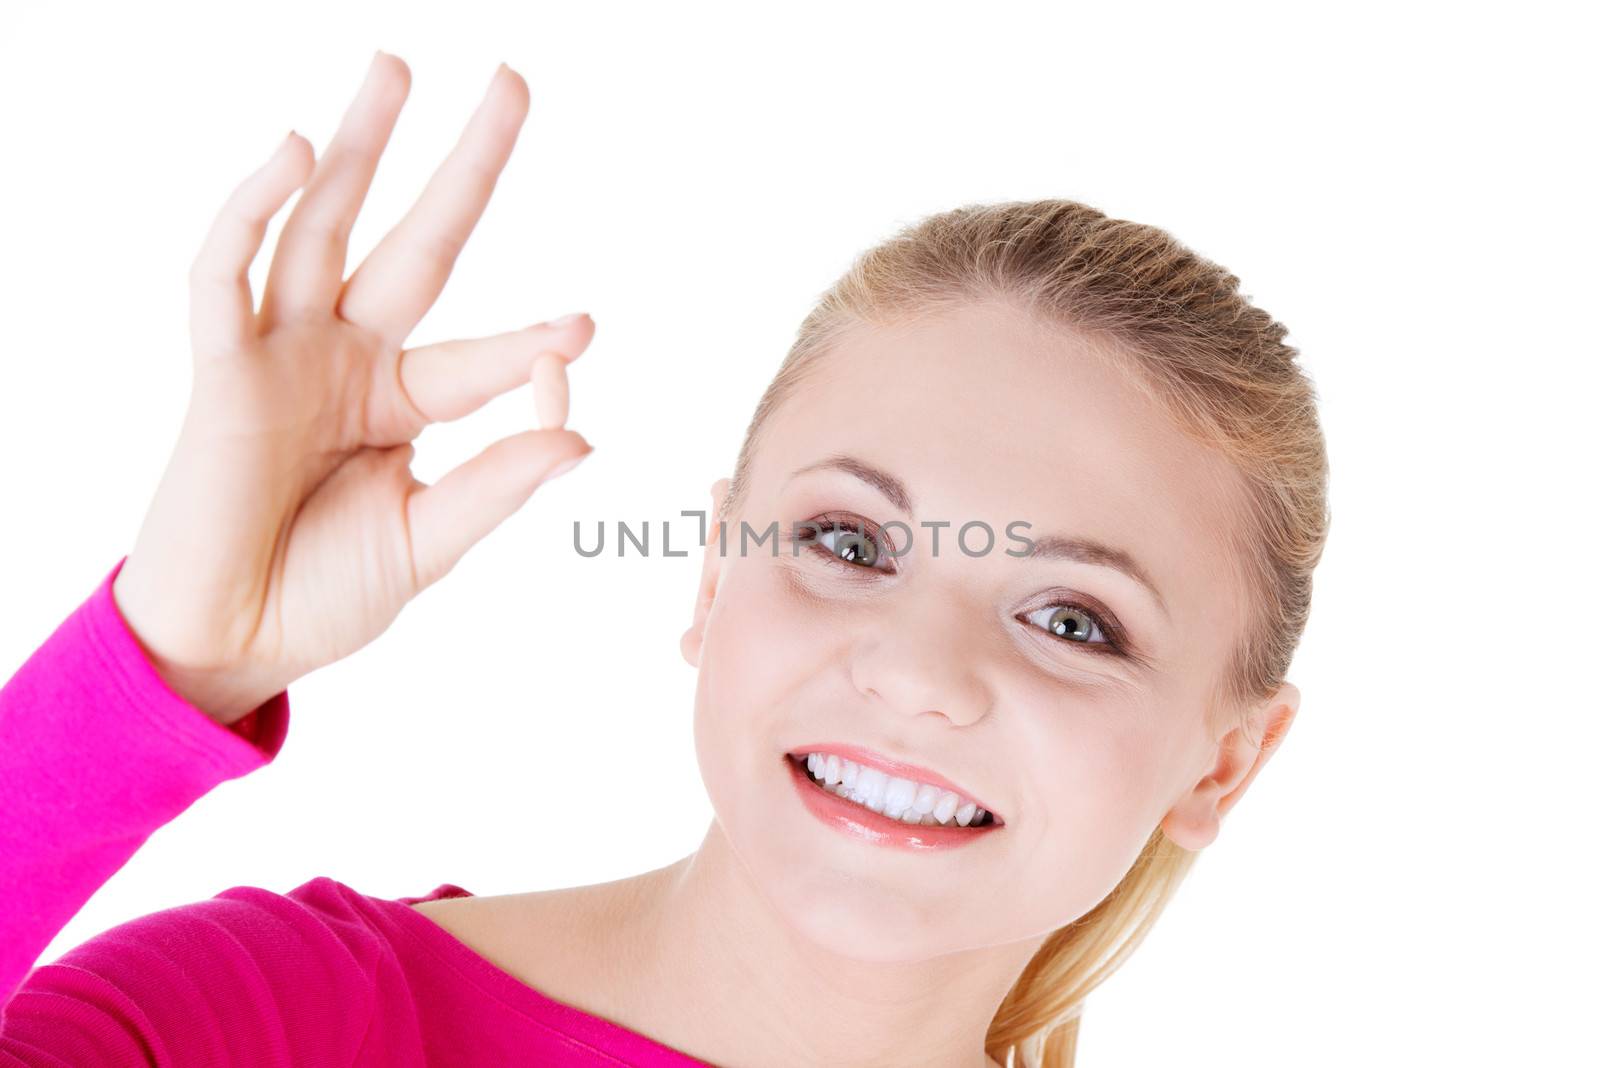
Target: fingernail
{"points": [[566, 319], [567, 465]]}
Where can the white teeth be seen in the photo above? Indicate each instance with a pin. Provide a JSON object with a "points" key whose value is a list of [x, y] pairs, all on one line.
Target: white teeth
{"points": [[897, 798], [872, 784]]}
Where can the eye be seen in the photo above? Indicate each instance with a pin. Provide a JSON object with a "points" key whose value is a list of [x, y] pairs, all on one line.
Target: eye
{"points": [[1071, 623], [846, 544], [860, 547]]}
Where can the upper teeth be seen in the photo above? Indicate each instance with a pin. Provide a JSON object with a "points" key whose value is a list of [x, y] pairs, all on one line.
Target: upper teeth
{"points": [[900, 799]]}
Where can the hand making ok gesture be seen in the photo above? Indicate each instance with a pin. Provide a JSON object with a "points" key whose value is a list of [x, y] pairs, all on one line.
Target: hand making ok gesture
{"points": [[287, 530]]}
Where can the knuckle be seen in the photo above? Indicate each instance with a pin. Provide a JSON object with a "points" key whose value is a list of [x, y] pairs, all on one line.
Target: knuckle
{"points": [[482, 177], [440, 249], [333, 231], [200, 270]]}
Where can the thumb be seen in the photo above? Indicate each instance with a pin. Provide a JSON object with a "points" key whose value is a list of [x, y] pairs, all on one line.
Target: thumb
{"points": [[456, 512]]}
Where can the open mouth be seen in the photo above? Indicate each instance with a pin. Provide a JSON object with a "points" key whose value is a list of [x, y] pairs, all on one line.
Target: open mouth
{"points": [[907, 800]]}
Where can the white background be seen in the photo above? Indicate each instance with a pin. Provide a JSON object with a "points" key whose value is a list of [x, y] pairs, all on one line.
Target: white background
{"points": [[1407, 187]]}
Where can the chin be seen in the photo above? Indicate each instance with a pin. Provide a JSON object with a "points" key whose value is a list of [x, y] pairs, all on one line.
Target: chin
{"points": [[860, 917], [854, 922]]}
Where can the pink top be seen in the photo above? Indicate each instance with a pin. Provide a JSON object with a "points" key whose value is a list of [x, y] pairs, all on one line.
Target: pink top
{"points": [[96, 752]]}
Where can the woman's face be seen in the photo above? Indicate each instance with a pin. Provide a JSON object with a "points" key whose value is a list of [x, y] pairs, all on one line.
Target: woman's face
{"points": [[980, 665]]}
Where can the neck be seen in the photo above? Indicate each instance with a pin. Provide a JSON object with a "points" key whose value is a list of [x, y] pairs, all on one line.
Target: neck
{"points": [[699, 933]]}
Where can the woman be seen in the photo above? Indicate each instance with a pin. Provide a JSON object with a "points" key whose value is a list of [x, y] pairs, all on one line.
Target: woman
{"points": [[1047, 494]]}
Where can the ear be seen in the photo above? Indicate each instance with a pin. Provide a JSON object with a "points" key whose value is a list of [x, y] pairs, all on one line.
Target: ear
{"points": [[1195, 821], [710, 572]]}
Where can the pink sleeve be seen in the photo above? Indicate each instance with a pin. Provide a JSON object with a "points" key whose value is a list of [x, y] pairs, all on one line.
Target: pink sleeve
{"points": [[96, 752]]}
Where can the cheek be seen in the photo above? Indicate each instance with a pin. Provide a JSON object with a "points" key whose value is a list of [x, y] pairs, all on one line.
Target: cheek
{"points": [[1096, 768], [762, 639], [762, 649], [1105, 793]]}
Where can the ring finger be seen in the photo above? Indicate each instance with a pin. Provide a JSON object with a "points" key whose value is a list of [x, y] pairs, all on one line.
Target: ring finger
{"points": [[308, 265]]}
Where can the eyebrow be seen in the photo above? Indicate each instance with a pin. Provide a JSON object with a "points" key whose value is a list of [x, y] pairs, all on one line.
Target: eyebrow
{"points": [[1089, 551], [1050, 547], [876, 477]]}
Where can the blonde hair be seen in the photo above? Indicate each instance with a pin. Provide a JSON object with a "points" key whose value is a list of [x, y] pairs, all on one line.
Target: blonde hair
{"points": [[1220, 368]]}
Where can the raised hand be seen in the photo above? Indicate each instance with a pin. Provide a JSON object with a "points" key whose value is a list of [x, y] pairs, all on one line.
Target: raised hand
{"points": [[287, 530]]}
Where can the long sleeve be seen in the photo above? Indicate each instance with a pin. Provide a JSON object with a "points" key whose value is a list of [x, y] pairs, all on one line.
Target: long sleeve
{"points": [[96, 753]]}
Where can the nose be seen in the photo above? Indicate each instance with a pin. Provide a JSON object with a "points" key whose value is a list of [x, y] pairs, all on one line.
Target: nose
{"points": [[923, 654]]}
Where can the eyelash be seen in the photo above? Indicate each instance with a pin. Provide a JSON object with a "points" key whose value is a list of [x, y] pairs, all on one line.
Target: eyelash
{"points": [[1116, 640]]}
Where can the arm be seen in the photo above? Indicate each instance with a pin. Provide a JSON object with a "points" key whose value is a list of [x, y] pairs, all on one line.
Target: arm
{"points": [[96, 752], [286, 533]]}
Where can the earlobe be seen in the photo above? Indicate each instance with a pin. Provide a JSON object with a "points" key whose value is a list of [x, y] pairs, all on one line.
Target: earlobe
{"points": [[710, 571], [693, 637], [1195, 821]]}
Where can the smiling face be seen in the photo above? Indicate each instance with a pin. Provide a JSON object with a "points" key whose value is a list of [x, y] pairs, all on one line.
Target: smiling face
{"points": [[1056, 687]]}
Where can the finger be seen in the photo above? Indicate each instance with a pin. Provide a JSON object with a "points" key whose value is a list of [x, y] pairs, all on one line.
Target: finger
{"points": [[450, 379], [308, 266], [401, 278], [551, 395], [221, 309], [455, 513]]}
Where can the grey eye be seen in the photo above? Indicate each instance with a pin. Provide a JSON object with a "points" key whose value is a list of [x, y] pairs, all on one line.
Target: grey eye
{"points": [[1069, 622], [849, 544]]}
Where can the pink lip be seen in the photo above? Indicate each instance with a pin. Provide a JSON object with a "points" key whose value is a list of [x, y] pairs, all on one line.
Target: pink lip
{"points": [[895, 767], [862, 823]]}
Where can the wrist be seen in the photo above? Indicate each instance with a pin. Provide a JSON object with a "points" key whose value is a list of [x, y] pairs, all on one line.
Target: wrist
{"points": [[225, 694]]}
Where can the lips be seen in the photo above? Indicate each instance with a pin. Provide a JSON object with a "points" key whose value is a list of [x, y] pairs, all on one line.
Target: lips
{"points": [[866, 812], [893, 768], [862, 824]]}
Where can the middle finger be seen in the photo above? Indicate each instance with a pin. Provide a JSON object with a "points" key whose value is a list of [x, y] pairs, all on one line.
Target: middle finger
{"points": [[401, 278]]}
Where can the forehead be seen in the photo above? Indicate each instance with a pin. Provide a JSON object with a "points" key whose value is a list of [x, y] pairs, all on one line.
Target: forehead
{"points": [[987, 414]]}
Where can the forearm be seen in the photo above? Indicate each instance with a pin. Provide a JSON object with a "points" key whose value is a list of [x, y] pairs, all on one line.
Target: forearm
{"points": [[96, 752]]}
